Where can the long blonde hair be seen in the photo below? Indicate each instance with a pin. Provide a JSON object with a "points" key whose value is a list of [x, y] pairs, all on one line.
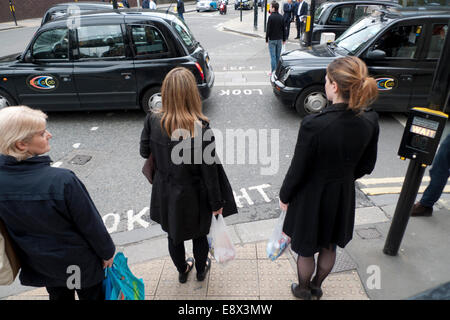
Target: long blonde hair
{"points": [[181, 102], [352, 78], [19, 123]]}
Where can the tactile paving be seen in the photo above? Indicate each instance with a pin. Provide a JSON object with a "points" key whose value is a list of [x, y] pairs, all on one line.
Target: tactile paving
{"points": [[235, 278]]}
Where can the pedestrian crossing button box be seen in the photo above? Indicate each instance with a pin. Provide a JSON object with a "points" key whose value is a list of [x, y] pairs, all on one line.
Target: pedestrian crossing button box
{"points": [[422, 133]]}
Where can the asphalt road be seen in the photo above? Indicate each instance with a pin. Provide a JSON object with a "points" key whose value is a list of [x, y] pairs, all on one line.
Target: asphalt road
{"points": [[241, 102]]}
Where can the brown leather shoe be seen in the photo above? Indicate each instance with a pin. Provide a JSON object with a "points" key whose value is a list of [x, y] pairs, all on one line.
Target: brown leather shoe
{"points": [[419, 210]]}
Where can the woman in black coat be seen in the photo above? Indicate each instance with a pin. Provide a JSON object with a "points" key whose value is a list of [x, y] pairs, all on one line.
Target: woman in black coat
{"points": [[58, 232], [334, 148], [189, 184]]}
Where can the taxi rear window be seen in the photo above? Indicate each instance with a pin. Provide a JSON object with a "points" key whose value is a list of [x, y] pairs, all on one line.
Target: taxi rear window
{"points": [[184, 33]]}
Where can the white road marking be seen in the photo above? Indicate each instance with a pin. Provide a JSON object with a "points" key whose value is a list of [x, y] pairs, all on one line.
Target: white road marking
{"points": [[94, 128], [400, 118], [241, 84], [57, 164], [76, 145]]}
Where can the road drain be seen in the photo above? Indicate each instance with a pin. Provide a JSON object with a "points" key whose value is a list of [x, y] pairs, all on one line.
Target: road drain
{"points": [[80, 159]]}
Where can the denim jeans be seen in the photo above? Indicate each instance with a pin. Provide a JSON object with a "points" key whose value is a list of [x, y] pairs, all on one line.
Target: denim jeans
{"points": [[275, 52], [439, 174]]}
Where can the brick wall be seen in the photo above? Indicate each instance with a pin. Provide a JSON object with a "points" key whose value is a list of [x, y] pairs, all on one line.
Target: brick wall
{"points": [[27, 9]]}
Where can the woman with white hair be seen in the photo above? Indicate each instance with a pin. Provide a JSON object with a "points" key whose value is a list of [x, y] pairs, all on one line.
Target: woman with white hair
{"points": [[60, 237]]}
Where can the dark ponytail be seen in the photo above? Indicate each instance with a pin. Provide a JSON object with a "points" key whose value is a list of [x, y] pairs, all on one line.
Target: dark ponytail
{"points": [[353, 82]]}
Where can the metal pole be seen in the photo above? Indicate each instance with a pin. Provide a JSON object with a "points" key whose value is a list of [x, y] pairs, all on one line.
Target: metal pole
{"points": [[13, 11], [405, 202], [310, 23], [240, 6], [265, 15], [255, 19]]}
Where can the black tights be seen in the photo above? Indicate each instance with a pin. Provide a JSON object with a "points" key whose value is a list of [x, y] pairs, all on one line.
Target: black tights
{"points": [[306, 267], [200, 248]]}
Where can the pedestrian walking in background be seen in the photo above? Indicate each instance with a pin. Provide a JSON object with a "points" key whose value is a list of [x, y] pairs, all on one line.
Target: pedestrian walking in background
{"points": [[152, 5], [145, 4], [125, 3], [301, 11], [48, 212], [439, 174], [334, 148], [288, 16], [185, 194], [275, 35], [180, 9]]}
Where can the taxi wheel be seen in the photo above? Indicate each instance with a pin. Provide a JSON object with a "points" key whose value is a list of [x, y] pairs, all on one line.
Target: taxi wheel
{"points": [[311, 100], [6, 100], [151, 99]]}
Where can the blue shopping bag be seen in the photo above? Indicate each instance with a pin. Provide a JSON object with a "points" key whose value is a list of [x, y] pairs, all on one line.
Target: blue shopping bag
{"points": [[120, 283]]}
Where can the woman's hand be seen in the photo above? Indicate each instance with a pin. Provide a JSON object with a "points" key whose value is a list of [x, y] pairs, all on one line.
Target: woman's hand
{"points": [[217, 212], [284, 206], [108, 263]]}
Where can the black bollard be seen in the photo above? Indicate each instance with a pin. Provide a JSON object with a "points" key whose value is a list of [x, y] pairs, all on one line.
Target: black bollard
{"points": [[405, 203]]}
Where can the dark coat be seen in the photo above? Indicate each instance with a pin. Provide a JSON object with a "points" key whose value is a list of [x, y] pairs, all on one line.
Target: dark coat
{"points": [[303, 11], [288, 12], [180, 6], [184, 195], [275, 27], [53, 221], [334, 148]]}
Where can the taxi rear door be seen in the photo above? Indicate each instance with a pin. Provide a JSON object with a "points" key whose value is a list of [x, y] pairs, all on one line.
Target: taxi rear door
{"points": [[45, 79], [104, 72], [396, 72]]}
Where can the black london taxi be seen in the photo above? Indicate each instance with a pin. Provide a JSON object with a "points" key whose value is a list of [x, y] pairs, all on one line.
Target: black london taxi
{"points": [[115, 59], [61, 9], [400, 47], [336, 17]]}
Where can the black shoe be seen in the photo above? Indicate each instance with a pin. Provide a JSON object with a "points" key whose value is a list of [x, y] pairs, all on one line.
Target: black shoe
{"points": [[182, 277], [316, 292], [297, 38], [419, 210], [202, 276], [304, 294]]}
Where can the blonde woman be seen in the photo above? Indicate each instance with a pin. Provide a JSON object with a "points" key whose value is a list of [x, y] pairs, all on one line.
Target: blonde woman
{"points": [[334, 148], [49, 213], [189, 185]]}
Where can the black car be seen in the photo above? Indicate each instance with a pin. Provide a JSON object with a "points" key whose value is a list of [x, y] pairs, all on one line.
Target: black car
{"points": [[114, 60], [400, 47], [245, 4], [61, 9], [336, 17]]}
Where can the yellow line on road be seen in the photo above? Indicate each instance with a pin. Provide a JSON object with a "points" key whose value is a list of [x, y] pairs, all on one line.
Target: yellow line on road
{"points": [[369, 181], [393, 190]]}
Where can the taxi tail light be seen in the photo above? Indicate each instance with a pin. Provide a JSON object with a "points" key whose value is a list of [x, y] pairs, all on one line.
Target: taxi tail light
{"points": [[200, 70]]}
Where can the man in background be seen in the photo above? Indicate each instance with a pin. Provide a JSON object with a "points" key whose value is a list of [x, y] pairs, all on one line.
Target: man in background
{"points": [[275, 35], [180, 9], [301, 11], [288, 16]]}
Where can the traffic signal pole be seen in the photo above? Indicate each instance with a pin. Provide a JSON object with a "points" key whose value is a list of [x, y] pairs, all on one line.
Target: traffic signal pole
{"points": [[438, 100], [310, 24], [13, 11]]}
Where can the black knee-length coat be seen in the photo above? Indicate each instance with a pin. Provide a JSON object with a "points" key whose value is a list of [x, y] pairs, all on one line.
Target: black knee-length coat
{"points": [[185, 195], [334, 148]]}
